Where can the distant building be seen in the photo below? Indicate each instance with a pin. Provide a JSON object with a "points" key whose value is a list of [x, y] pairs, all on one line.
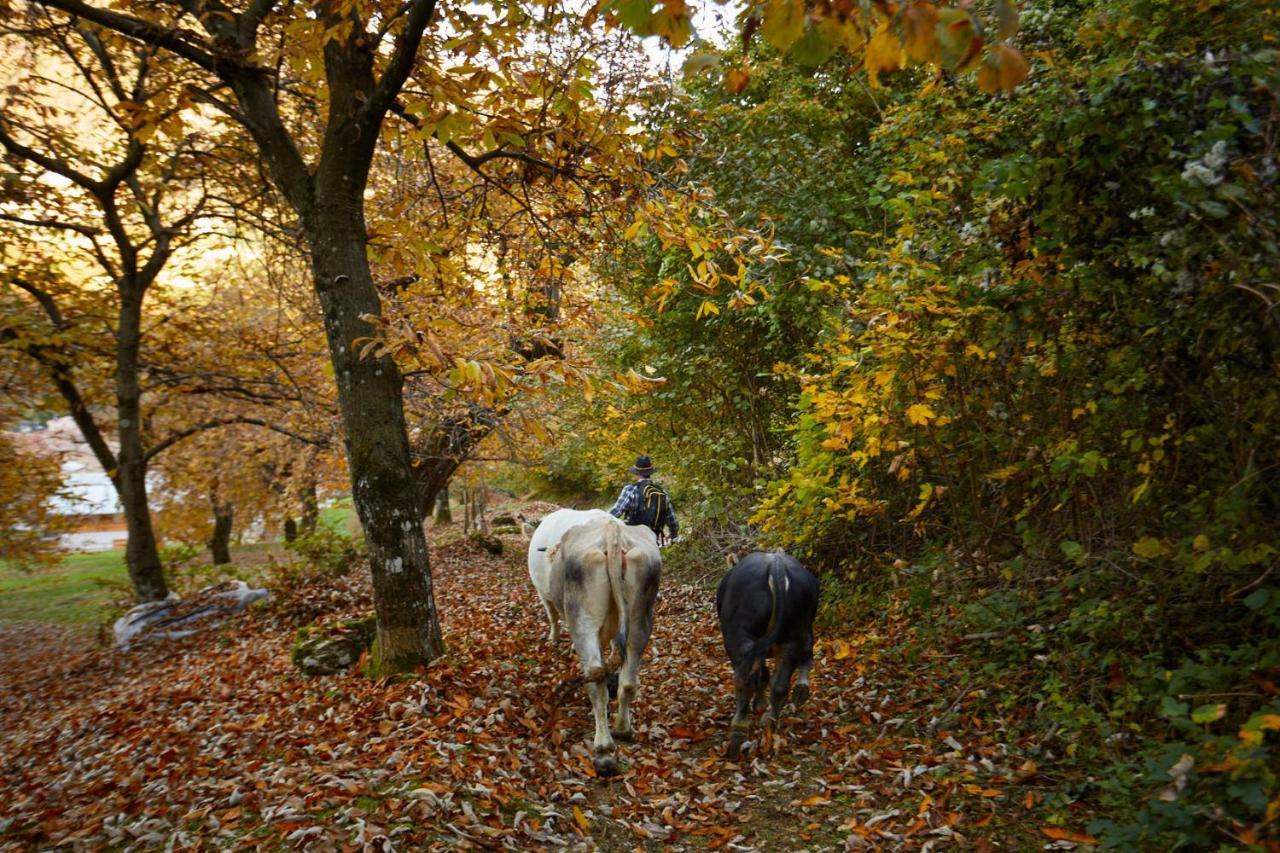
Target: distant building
{"points": [[90, 498]]}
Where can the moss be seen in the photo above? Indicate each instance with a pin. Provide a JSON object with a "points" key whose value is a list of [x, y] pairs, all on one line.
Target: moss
{"points": [[487, 541], [379, 665], [329, 649]]}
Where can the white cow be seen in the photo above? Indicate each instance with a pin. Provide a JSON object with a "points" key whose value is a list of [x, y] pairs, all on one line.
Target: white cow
{"points": [[604, 581], [542, 545]]}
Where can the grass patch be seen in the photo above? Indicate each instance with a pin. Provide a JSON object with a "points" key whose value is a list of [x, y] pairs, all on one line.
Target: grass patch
{"points": [[77, 591], [341, 516]]}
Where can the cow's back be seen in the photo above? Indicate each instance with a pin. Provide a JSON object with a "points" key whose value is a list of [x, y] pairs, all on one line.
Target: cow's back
{"points": [[744, 599], [548, 535]]}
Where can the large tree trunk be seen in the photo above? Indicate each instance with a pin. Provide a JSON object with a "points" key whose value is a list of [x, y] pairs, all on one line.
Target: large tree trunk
{"points": [[141, 554], [220, 541], [369, 392]]}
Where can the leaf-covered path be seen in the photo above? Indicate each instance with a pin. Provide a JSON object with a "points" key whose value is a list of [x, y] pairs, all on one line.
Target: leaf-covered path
{"points": [[216, 742]]}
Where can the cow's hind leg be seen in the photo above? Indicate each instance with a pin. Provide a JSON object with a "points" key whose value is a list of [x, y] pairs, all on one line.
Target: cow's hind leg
{"points": [[760, 686], [639, 627], [603, 746], [743, 690], [593, 673], [800, 692], [781, 685], [553, 619]]}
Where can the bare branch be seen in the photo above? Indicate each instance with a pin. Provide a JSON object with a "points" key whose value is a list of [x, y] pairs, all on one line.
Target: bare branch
{"points": [[173, 438], [400, 64], [50, 223]]}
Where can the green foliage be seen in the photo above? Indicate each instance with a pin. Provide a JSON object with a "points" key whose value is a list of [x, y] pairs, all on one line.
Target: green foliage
{"points": [[311, 559], [1016, 377], [326, 552]]}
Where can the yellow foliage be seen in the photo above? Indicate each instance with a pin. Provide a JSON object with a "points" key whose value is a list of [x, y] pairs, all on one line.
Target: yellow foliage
{"points": [[920, 414], [884, 53]]}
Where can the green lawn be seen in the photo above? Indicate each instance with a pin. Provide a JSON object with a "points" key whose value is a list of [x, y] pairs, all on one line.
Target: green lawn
{"points": [[81, 588], [76, 591], [340, 517]]}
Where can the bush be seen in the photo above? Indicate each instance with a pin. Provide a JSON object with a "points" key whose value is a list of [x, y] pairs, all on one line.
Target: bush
{"points": [[311, 560]]}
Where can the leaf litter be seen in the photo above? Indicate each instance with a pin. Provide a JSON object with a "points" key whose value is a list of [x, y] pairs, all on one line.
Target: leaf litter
{"points": [[215, 741]]}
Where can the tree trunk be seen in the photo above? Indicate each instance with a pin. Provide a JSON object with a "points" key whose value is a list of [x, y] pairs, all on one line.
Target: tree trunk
{"points": [[220, 541], [444, 515], [310, 506], [369, 392], [290, 529], [141, 554]]}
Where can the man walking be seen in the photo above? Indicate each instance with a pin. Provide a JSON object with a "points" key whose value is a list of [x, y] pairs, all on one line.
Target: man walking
{"points": [[645, 503]]}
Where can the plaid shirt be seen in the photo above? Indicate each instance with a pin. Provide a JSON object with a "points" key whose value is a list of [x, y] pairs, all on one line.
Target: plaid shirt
{"points": [[627, 506]]}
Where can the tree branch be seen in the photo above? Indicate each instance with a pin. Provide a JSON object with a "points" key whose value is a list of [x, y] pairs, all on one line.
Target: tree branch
{"points": [[50, 223], [55, 362], [44, 298], [401, 63], [173, 438], [46, 162], [148, 32]]}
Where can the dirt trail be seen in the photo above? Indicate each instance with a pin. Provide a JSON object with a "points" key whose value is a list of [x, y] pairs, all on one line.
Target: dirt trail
{"points": [[215, 742]]}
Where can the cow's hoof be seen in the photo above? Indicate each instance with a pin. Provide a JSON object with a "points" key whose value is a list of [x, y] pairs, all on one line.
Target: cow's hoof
{"points": [[606, 766], [800, 694], [627, 736]]}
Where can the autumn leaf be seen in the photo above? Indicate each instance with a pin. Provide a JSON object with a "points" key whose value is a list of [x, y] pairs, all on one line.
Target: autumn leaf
{"points": [[884, 53], [581, 820], [783, 23], [919, 25], [736, 79], [920, 413], [1057, 833], [1209, 713], [960, 45], [1006, 18], [815, 800], [1251, 733], [1150, 547], [1002, 70]]}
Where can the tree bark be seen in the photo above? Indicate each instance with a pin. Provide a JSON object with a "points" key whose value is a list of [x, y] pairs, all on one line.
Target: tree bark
{"points": [[220, 541], [141, 552], [369, 392], [329, 199], [310, 507], [290, 529], [444, 515]]}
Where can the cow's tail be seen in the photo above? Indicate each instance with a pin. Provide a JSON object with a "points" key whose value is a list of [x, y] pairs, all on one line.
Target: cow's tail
{"points": [[615, 564], [779, 586]]}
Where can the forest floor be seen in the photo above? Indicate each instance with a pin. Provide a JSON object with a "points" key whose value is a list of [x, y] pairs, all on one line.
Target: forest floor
{"points": [[216, 741]]}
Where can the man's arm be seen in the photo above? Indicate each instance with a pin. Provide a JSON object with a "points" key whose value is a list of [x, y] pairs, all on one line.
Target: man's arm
{"points": [[673, 525], [623, 502]]}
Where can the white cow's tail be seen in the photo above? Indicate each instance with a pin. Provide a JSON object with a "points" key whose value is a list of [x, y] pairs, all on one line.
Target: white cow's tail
{"points": [[616, 566]]}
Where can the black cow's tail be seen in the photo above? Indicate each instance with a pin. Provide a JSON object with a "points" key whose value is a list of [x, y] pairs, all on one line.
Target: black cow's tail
{"points": [[779, 586]]}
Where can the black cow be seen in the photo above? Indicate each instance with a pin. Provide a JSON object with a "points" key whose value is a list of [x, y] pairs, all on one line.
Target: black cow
{"points": [[766, 605]]}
